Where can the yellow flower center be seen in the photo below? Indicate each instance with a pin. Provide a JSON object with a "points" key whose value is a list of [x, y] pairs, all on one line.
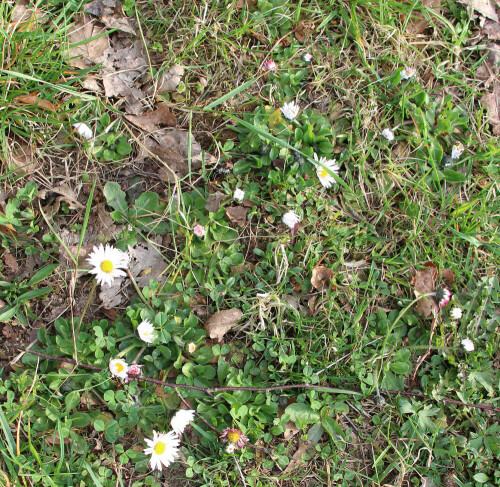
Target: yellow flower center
{"points": [[106, 266], [160, 447], [233, 436], [323, 173], [119, 367]]}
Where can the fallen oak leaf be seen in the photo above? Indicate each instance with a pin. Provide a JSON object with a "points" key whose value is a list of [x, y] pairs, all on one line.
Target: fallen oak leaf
{"points": [[222, 321], [321, 276]]}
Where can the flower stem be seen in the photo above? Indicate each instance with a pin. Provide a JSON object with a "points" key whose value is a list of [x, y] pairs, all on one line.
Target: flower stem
{"points": [[139, 292]]}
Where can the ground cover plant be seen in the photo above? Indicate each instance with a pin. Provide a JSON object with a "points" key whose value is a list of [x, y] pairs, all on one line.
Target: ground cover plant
{"points": [[249, 243]]}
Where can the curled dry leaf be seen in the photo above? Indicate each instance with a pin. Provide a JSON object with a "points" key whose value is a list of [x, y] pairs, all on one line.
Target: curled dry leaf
{"points": [[100, 7], [86, 54], [153, 120], [492, 104], [22, 159], [237, 215], [448, 276], [321, 276], [424, 282], [169, 80], [221, 322], [122, 24], [32, 99], [214, 200], [485, 7]]}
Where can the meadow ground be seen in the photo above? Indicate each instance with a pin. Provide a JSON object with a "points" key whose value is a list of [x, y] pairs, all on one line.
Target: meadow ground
{"points": [[323, 274]]}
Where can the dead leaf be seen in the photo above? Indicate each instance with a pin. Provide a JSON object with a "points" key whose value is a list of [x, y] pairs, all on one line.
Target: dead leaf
{"points": [[448, 276], [32, 99], [169, 80], [152, 121], [91, 84], [303, 30], [418, 22], [492, 30], [85, 55], [22, 159], [10, 262], [321, 276], [297, 457], [214, 200], [290, 430], [100, 7], [237, 215], [25, 18], [492, 104], [104, 224], [424, 282], [122, 24], [484, 7], [67, 194], [221, 322]]}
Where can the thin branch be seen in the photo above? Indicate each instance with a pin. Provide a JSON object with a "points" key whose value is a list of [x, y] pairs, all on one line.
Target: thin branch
{"points": [[210, 390]]}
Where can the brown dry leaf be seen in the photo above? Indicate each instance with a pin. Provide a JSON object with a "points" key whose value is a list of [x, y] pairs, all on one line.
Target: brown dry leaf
{"points": [[32, 99], [214, 200], [104, 224], [91, 84], [492, 30], [241, 3], [122, 24], [86, 55], [297, 457], [290, 430], [152, 121], [237, 215], [221, 322], [100, 7], [169, 80], [492, 104], [321, 276], [10, 262], [419, 23], [67, 194], [22, 159], [24, 17], [303, 30], [424, 282], [448, 276], [54, 439], [485, 7]]}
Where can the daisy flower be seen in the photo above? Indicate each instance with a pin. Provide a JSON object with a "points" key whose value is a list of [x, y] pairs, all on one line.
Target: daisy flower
{"points": [[408, 73], [468, 345], [234, 436], [181, 419], [133, 372], [269, 65], [323, 168], [107, 263], [457, 150], [146, 331], [191, 347], [238, 195], [307, 57], [83, 130], [456, 313], [388, 134], [290, 110], [199, 230], [443, 297], [290, 219], [231, 448], [163, 449], [118, 368]]}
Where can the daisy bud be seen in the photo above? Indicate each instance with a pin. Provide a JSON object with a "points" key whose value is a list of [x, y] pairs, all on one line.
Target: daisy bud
{"points": [[468, 345], [83, 130], [456, 313]]}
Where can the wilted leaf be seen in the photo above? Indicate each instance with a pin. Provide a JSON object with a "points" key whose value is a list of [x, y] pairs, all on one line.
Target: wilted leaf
{"points": [[87, 54], [113, 22], [492, 30], [424, 282], [214, 200], [153, 120], [21, 160], [303, 30], [10, 261], [448, 276], [321, 276], [32, 99], [24, 17], [485, 7], [290, 430], [237, 215], [221, 322], [100, 7], [66, 194], [169, 80], [492, 104]]}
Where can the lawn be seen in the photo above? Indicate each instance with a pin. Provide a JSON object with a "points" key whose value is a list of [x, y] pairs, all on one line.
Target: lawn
{"points": [[249, 243]]}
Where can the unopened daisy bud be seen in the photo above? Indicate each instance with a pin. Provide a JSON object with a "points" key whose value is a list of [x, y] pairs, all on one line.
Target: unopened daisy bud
{"points": [[290, 110], [468, 345], [456, 313], [199, 231], [181, 419], [146, 331], [238, 195], [290, 219], [231, 448], [269, 65], [388, 134], [457, 150], [307, 57], [118, 368], [83, 130], [191, 347]]}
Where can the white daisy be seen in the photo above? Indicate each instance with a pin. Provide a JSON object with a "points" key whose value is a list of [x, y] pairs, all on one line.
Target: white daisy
{"points": [[388, 134], [290, 110], [146, 331], [118, 368], [238, 195], [457, 150], [230, 448], [181, 419], [107, 263], [408, 73], [83, 130], [290, 219], [163, 449], [456, 313], [468, 345], [191, 347], [323, 168]]}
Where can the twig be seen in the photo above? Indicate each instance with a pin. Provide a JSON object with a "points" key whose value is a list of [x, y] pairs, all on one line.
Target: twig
{"points": [[239, 470], [209, 390], [199, 416]]}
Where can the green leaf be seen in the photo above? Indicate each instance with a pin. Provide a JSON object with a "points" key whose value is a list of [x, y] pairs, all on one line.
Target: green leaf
{"points": [[302, 414], [232, 93], [123, 148], [72, 400], [99, 425], [115, 197], [112, 430], [454, 176], [8, 313], [148, 202], [42, 274], [332, 427], [481, 478], [400, 368]]}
